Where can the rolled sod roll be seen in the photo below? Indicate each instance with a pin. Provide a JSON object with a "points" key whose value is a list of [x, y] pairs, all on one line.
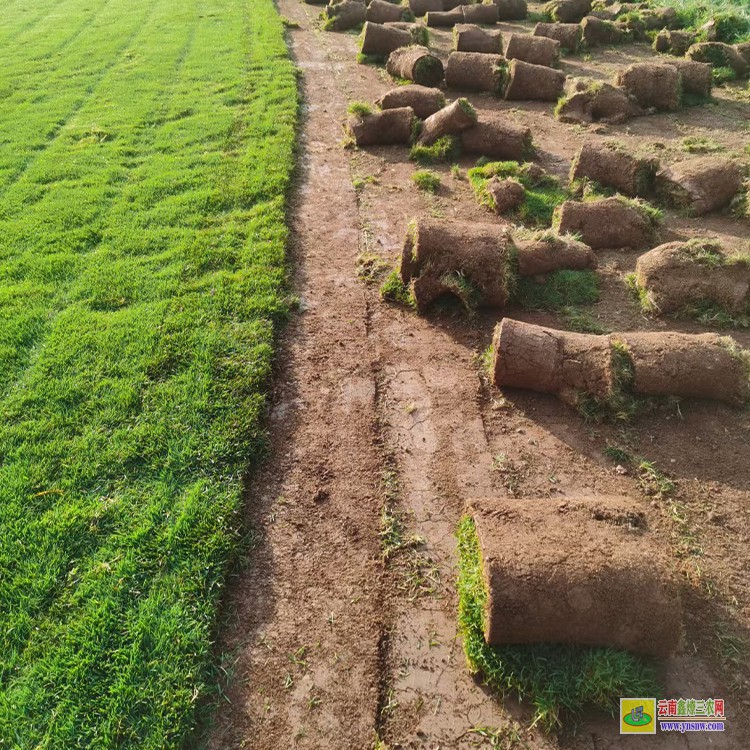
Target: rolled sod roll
{"points": [[550, 361], [678, 275], [538, 50], [381, 40], [594, 101], [475, 71], [420, 7], [546, 252], [423, 100], [674, 42], [444, 18], [381, 11], [416, 64], [616, 168], [607, 223], [457, 258], [744, 50], [527, 81], [584, 571], [389, 127], [498, 139], [506, 195], [471, 38], [654, 84], [567, 11], [697, 77], [568, 34], [483, 13], [595, 32], [451, 120], [511, 10], [720, 55], [700, 185], [345, 15], [691, 365]]}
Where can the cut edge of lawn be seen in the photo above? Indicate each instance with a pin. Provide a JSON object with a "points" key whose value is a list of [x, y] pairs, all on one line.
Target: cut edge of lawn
{"points": [[559, 681]]}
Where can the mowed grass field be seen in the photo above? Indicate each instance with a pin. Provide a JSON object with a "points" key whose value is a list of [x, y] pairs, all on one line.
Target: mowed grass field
{"points": [[145, 150]]}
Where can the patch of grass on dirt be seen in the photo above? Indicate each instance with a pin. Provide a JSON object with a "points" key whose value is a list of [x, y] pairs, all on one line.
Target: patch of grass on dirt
{"points": [[639, 294], [723, 74], [447, 148], [371, 267], [582, 321], [560, 682], [698, 144], [359, 109], [652, 481], [543, 192], [394, 290], [427, 181], [559, 290], [143, 183]]}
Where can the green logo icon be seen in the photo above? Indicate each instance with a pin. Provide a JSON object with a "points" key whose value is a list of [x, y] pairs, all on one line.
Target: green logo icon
{"points": [[637, 717]]}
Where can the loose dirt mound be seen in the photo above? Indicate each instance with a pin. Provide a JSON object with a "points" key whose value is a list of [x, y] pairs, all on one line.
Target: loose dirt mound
{"points": [[580, 570], [469, 261], [614, 167], [700, 185], [678, 275], [607, 223]]}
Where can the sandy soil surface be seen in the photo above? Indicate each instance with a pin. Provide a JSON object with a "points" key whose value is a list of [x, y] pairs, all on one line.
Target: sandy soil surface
{"points": [[331, 646]]}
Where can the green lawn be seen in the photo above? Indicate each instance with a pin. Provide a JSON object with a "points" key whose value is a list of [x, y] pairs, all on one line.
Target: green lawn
{"points": [[145, 150]]}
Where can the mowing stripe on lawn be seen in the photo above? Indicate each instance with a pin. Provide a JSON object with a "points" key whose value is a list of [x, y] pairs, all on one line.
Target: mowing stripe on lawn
{"points": [[141, 279]]}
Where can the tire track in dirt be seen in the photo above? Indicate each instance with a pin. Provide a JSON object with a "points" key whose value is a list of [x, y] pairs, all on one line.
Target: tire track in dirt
{"points": [[306, 622]]}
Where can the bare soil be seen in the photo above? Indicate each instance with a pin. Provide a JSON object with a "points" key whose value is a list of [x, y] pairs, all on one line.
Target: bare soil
{"points": [[329, 645]]}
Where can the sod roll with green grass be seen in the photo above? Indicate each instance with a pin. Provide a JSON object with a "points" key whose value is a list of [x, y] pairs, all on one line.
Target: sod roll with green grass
{"points": [[560, 681]]}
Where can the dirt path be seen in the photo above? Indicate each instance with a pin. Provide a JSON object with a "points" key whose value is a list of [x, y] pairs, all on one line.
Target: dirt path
{"points": [[375, 405]]}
